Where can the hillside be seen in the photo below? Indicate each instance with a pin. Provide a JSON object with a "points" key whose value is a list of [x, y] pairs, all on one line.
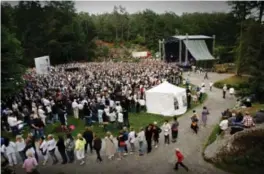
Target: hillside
{"points": [[117, 50]]}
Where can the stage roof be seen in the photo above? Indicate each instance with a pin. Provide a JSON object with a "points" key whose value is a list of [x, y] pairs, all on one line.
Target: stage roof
{"points": [[184, 37]]}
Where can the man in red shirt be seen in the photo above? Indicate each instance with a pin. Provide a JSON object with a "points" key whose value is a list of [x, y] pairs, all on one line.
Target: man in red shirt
{"points": [[180, 159]]}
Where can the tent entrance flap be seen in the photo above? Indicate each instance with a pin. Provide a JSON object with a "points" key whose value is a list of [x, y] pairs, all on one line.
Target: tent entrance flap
{"points": [[198, 49]]}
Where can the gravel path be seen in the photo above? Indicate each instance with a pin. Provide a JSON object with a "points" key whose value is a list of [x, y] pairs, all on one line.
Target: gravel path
{"points": [[162, 159]]}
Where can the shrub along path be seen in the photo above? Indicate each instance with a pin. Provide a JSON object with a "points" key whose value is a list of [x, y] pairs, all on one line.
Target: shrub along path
{"points": [[162, 159]]}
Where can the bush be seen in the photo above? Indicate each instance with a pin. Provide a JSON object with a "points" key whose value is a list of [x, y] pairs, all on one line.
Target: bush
{"points": [[237, 82]]}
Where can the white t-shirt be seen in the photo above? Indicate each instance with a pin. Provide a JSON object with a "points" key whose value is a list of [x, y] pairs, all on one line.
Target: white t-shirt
{"points": [[231, 90], [80, 106], [166, 128], [20, 145], [120, 118], [11, 148], [119, 109], [132, 137], [223, 124], [74, 105], [141, 136], [51, 144], [12, 121], [142, 102]]}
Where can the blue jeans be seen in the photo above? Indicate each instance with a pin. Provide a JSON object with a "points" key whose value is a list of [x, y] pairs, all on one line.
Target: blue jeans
{"points": [[141, 143], [55, 118], [88, 120], [38, 133]]}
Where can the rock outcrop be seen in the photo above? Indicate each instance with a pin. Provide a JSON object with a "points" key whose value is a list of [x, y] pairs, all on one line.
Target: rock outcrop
{"points": [[235, 145]]}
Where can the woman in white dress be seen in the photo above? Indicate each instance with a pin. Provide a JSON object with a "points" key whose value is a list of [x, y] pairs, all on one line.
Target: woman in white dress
{"points": [[110, 148]]}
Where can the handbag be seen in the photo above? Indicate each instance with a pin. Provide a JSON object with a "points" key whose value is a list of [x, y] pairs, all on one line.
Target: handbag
{"points": [[122, 143]]}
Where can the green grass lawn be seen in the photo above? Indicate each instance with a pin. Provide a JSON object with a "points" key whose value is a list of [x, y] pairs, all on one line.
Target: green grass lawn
{"points": [[235, 81]]}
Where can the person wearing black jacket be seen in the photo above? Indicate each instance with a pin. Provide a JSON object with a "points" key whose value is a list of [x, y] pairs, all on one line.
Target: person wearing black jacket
{"points": [[61, 149], [148, 135], [87, 114], [156, 131], [62, 117], [88, 136], [97, 147]]}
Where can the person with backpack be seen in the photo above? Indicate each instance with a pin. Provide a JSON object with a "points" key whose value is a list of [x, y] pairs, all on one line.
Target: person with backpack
{"points": [[174, 129], [69, 147]]}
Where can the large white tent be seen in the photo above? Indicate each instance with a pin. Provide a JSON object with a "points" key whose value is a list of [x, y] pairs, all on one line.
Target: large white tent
{"points": [[166, 99]]}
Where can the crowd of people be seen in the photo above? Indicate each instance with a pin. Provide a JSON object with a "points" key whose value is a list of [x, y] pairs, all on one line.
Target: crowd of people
{"points": [[96, 92]]}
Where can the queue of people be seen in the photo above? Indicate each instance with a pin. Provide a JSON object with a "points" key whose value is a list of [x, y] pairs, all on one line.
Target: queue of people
{"points": [[71, 149]]}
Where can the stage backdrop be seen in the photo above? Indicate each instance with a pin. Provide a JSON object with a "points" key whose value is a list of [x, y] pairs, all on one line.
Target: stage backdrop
{"points": [[42, 65]]}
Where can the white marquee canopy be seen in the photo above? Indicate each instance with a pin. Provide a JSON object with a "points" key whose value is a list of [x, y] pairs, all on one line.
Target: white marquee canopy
{"points": [[166, 99]]}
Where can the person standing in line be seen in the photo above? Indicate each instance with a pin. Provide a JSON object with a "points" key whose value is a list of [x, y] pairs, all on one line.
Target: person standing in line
{"points": [[194, 124], [97, 147], [125, 133], [131, 139], [20, 145], [156, 131], [30, 164], [61, 147], [141, 138], [44, 149], [211, 86], [51, 148], [79, 147], [109, 145], [166, 128], [224, 90], [205, 113], [180, 158], [174, 129], [69, 146], [121, 144], [148, 135], [88, 136], [9, 149]]}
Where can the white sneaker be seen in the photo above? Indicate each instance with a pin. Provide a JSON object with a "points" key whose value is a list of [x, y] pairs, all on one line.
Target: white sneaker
{"points": [[131, 153], [156, 146], [125, 154], [82, 163], [118, 159]]}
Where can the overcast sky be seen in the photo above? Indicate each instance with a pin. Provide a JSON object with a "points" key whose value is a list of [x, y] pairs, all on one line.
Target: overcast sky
{"points": [[178, 7]]}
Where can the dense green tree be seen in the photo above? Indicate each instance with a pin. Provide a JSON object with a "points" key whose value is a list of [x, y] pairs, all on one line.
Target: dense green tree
{"points": [[11, 63]]}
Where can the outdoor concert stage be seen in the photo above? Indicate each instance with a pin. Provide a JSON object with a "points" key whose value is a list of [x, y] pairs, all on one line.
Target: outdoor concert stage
{"points": [[189, 49]]}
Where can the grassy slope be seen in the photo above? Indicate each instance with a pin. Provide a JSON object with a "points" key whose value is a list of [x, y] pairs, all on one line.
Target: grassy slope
{"points": [[234, 81]]}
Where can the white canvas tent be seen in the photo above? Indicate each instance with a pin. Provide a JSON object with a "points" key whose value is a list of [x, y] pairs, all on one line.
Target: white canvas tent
{"points": [[166, 99]]}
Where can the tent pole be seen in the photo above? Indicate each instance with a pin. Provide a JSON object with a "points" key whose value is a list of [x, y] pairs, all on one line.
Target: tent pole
{"points": [[186, 49], [180, 51], [213, 45], [160, 49], [164, 53]]}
